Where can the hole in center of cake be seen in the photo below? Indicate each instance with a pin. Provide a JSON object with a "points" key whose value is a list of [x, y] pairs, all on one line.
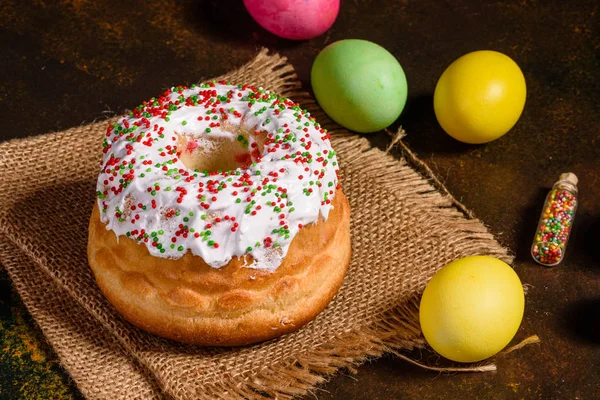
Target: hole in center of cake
{"points": [[220, 152]]}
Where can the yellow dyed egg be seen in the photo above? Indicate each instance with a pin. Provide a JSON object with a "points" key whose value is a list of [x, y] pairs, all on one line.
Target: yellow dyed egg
{"points": [[480, 97], [472, 308]]}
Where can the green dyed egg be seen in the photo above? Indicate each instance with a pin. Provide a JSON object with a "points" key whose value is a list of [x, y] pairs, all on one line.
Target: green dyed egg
{"points": [[359, 84]]}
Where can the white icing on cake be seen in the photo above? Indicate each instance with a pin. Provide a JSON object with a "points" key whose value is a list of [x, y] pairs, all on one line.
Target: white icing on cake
{"points": [[147, 193]]}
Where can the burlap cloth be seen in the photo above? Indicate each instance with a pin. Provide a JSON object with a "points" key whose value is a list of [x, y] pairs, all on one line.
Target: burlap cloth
{"points": [[403, 230]]}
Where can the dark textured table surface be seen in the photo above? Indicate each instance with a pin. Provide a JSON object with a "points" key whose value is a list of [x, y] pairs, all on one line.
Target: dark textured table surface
{"points": [[67, 62]]}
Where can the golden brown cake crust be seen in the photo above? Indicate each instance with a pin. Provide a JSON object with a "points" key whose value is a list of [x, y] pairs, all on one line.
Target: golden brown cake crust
{"points": [[189, 301]]}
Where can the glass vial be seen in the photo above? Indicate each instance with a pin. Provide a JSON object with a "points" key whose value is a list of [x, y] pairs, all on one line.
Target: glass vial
{"points": [[554, 226]]}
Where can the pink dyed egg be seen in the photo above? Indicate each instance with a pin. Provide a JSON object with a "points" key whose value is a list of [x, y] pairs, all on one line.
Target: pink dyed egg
{"points": [[294, 19]]}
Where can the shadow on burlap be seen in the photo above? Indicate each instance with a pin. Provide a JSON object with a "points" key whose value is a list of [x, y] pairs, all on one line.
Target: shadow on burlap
{"points": [[403, 230]]}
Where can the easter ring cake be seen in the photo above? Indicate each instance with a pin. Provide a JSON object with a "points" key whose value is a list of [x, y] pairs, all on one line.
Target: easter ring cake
{"points": [[219, 217]]}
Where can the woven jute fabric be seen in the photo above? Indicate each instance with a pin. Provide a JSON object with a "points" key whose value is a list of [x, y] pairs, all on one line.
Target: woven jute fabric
{"points": [[403, 230]]}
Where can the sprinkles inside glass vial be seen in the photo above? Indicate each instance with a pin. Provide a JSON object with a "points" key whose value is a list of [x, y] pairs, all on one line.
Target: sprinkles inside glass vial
{"points": [[554, 226]]}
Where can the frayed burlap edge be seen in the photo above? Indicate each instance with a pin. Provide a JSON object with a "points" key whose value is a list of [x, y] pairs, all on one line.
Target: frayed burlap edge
{"points": [[79, 354], [397, 330]]}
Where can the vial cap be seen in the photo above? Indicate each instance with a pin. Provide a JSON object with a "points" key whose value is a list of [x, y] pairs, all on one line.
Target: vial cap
{"points": [[569, 177]]}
